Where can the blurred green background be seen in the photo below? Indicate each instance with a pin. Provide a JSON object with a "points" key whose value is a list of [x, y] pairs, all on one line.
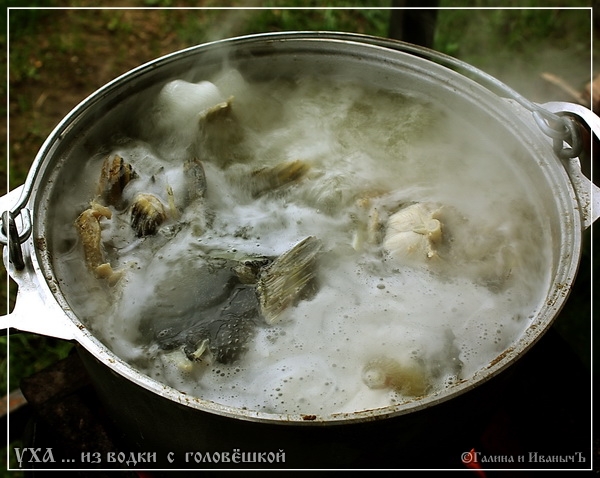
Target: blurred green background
{"points": [[57, 57]]}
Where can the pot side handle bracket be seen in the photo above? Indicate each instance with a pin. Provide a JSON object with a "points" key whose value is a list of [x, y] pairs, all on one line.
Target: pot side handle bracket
{"points": [[588, 194], [10, 235], [31, 312]]}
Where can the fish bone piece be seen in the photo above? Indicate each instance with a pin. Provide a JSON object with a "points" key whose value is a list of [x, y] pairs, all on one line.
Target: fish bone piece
{"points": [[264, 180], [115, 174], [90, 233], [147, 214], [287, 279]]}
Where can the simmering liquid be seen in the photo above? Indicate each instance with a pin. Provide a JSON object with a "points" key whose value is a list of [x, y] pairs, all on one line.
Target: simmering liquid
{"points": [[433, 258]]}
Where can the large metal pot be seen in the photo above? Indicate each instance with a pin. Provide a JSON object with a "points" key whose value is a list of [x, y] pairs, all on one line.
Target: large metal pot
{"points": [[158, 418]]}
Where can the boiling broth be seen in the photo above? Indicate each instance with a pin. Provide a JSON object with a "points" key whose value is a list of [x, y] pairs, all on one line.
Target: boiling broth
{"points": [[370, 153]]}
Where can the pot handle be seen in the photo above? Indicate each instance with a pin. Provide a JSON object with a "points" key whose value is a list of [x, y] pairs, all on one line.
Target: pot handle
{"points": [[10, 235], [31, 312], [588, 194]]}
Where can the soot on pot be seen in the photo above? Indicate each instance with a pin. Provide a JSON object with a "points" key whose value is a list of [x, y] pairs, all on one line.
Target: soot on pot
{"points": [[408, 253]]}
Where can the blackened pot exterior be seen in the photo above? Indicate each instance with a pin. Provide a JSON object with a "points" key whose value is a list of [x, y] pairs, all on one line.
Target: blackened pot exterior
{"points": [[175, 437]]}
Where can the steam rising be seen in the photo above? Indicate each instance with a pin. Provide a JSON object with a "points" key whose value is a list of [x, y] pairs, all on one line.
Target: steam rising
{"points": [[383, 326]]}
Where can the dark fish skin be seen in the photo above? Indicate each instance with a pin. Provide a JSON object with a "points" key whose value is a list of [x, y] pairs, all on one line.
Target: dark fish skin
{"points": [[219, 304], [228, 327], [209, 303]]}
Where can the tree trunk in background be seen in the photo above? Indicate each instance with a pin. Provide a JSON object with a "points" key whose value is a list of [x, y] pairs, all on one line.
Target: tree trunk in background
{"points": [[411, 21]]}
